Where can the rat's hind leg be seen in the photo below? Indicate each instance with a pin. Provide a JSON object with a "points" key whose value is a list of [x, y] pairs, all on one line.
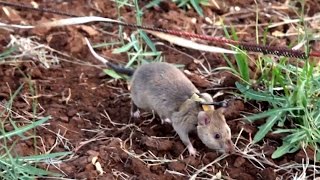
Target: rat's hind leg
{"points": [[135, 112], [184, 136]]}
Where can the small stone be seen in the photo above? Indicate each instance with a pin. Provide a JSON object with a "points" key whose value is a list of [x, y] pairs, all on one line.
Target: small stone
{"points": [[93, 153], [64, 119], [268, 174], [90, 167], [177, 166], [191, 160], [69, 169], [239, 161], [72, 112], [303, 154], [211, 156], [158, 144], [35, 73]]}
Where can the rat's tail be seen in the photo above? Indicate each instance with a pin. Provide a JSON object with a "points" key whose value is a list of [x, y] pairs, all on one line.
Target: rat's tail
{"points": [[116, 68], [119, 69]]}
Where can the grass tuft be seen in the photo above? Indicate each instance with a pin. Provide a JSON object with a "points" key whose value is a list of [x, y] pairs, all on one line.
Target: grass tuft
{"points": [[12, 164]]}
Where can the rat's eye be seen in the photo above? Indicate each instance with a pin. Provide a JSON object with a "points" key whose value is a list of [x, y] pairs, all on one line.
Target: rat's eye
{"points": [[217, 136]]}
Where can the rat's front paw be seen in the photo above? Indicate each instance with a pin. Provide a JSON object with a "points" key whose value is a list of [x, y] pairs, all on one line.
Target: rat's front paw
{"points": [[136, 114], [192, 150], [166, 120]]}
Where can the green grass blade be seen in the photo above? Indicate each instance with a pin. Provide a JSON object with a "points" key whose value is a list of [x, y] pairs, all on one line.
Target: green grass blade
{"points": [[284, 149], [270, 113], [125, 48], [112, 73], [265, 128], [7, 52], [106, 44], [259, 96], [152, 3], [136, 46], [25, 128], [196, 6], [148, 41], [41, 157], [243, 66], [37, 172], [133, 59]]}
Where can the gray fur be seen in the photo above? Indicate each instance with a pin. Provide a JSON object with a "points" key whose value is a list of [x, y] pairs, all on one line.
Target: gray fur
{"points": [[166, 90], [161, 87]]}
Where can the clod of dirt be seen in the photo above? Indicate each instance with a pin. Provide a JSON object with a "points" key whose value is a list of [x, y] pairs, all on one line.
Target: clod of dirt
{"points": [[76, 44], [92, 153], [64, 119], [268, 149], [158, 168], [111, 149], [139, 168], [4, 39], [58, 41], [106, 176], [177, 166], [22, 149], [49, 141], [35, 73], [72, 112], [191, 160], [197, 80], [67, 168], [158, 144], [234, 109], [178, 148], [81, 161], [228, 79], [239, 161], [209, 157], [304, 154], [248, 128], [268, 174], [237, 173], [86, 174]]}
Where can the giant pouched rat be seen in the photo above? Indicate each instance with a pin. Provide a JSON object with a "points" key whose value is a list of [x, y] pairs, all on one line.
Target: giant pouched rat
{"points": [[162, 87]]}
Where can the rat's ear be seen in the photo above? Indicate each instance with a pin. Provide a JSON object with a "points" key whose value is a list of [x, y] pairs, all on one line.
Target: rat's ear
{"points": [[203, 118]]}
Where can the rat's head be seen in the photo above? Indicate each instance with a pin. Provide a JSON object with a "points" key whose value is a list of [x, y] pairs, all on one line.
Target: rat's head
{"points": [[214, 132]]}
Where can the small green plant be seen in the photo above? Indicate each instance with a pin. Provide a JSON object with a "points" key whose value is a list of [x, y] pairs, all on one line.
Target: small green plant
{"points": [[13, 166], [293, 94], [138, 46], [241, 70]]}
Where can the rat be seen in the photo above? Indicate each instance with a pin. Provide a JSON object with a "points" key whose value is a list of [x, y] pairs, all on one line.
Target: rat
{"points": [[163, 88]]}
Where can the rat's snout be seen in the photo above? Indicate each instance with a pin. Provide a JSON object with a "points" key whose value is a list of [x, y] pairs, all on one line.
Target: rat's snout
{"points": [[229, 147]]}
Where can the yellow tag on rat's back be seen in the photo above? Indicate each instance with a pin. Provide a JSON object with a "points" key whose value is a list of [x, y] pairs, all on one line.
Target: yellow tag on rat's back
{"points": [[206, 107]]}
